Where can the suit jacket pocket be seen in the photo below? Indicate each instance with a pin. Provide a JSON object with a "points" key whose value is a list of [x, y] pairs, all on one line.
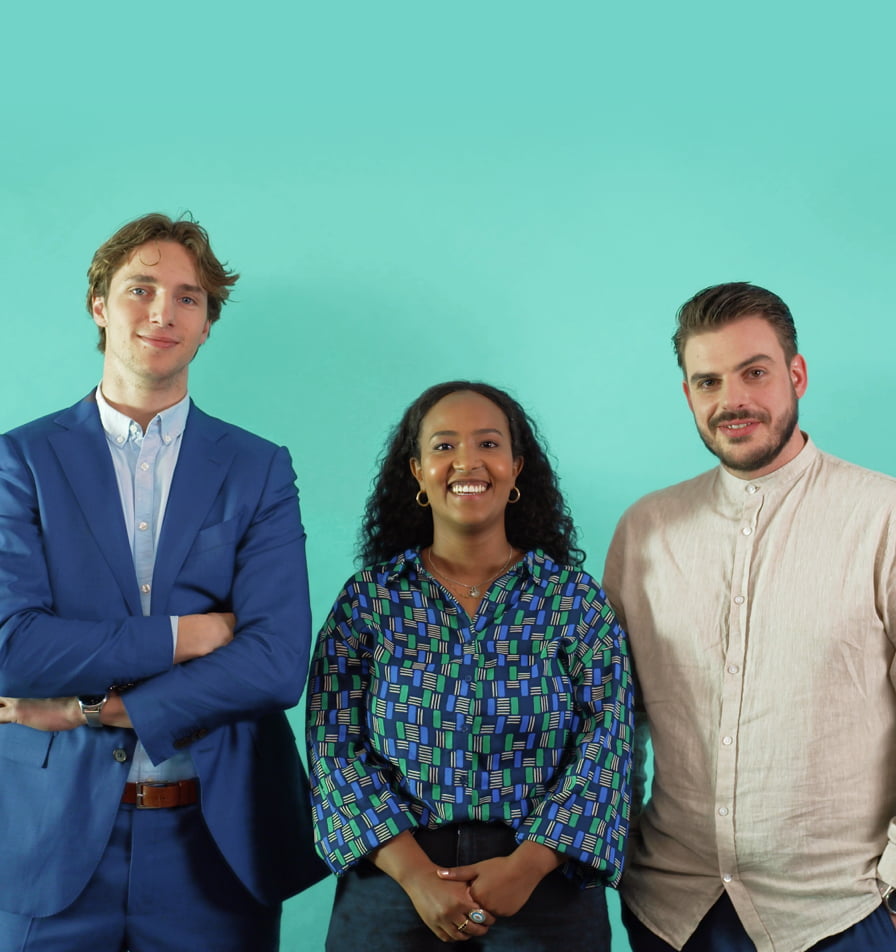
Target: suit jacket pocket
{"points": [[25, 745], [213, 537]]}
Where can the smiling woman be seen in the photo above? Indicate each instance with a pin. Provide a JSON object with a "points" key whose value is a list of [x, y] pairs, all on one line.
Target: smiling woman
{"points": [[469, 707]]}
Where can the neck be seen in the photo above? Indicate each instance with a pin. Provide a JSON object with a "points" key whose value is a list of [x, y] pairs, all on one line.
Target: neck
{"points": [[471, 555], [139, 404]]}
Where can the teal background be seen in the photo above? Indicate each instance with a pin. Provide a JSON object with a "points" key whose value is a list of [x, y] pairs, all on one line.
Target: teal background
{"points": [[518, 192]]}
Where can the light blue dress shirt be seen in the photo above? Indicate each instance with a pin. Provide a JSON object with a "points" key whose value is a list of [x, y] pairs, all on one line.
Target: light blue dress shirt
{"points": [[144, 467]]}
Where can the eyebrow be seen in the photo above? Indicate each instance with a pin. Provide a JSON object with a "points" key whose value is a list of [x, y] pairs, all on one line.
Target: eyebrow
{"points": [[149, 279], [439, 433], [755, 359]]}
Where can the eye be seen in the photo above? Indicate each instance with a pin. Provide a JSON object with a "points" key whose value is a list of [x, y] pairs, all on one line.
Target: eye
{"points": [[489, 444], [139, 292], [756, 372], [186, 299], [441, 447], [707, 383]]}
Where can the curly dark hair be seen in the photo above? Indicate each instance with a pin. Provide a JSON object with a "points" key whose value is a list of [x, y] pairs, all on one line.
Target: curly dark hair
{"points": [[394, 522]]}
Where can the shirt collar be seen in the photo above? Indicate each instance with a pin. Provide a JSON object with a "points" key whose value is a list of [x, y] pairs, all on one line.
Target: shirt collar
{"points": [[409, 564], [120, 428], [781, 478]]}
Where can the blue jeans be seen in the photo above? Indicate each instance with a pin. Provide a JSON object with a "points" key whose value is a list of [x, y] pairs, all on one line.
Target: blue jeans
{"points": [[720, 931], [372, 912]]}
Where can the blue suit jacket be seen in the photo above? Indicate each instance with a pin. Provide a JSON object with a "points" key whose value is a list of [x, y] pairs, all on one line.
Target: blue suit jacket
{"points": [[71, 623]]}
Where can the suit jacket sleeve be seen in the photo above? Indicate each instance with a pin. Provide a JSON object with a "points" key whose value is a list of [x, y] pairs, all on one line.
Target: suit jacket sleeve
{"points": [[264, 668], [65, 624]]}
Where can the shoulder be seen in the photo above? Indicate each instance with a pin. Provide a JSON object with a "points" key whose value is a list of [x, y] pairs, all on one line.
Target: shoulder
{"points": [[216, 429], [663, 502], [79, 413], [397, 573], [837, 475], [557, 578]]}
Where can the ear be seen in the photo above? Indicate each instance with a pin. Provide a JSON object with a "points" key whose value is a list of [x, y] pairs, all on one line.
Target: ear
{"points": [[687, 394], [206, 331], [416, 470], [799, 375], [517, 466], [98, 310]]}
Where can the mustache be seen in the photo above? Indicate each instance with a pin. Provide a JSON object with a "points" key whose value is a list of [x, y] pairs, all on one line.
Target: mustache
{"points": [[732, 416]]}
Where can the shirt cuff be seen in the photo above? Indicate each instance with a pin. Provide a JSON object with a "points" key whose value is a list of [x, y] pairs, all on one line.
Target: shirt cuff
{"points": [[174, 621], [886, 867]]}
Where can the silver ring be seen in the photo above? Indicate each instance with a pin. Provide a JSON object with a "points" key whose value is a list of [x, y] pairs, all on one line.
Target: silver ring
{"points": [[477, 916]]}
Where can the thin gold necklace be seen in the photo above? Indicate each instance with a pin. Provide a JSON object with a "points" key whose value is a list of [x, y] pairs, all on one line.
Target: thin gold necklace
{"points": [[475, 590]]}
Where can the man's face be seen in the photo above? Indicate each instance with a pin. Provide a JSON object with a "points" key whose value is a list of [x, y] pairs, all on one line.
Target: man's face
{"points": [[156, 317], [743, 394]]}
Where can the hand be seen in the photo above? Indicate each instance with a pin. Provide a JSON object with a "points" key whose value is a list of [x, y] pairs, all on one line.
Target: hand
{"points": [[442, 906], [42, 714], [504, 884], [199, 635]]}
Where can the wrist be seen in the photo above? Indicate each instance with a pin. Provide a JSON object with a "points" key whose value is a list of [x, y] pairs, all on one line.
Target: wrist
{"points": [[888, 896], [90, 708], [537, 858]]}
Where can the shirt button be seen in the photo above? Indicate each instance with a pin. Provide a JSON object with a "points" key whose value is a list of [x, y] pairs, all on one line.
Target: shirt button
{"points": [[144, 466], [146, 589], [733, 669], [120, 754], [747, 530], [739, 599], [119, 440], [727, 877], [727, 741], [142, 526], [166, 439], [723, 811], [752, 489]]}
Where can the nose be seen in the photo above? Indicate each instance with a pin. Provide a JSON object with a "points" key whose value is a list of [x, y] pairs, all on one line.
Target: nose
{"points": [[161, 311], [466, 459], [734, 394]]}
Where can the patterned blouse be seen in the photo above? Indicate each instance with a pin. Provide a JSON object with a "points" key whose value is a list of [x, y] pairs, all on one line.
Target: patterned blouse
{"points": [[418, 717]]}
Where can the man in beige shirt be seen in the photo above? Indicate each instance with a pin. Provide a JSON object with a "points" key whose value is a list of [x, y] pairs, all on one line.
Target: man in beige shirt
{"points": [[760, 600]]}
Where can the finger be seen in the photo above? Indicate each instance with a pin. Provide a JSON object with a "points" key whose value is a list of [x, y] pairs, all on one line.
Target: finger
{"points": [[458, 873]]}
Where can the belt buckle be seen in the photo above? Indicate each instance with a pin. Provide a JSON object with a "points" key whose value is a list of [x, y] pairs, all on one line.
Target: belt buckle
{"points": [[141, 786]]}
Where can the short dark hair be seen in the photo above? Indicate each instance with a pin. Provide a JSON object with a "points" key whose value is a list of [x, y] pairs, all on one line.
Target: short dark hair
{"points": [[723, 303], [394, 522], [215, 279]]}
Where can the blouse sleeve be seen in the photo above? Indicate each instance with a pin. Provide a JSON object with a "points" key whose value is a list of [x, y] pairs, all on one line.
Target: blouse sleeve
{"points": [[585, 812], [355, 808]]}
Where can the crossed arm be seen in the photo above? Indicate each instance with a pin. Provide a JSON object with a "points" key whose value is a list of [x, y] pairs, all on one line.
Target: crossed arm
{"points": [[197, 635]]}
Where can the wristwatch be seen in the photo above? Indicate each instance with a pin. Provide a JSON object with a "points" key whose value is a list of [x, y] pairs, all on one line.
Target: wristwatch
{"points": [[91, 706], [889, 897]]}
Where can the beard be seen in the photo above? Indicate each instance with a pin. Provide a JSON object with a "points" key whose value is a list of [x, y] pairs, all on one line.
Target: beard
{"points": [[751, 458]]}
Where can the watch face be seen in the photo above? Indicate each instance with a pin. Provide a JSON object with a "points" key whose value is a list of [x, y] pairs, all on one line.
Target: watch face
{"points": [[90, 699]]}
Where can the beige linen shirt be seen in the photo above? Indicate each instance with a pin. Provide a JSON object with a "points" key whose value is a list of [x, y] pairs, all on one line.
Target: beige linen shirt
{"points": [[762, 617]]}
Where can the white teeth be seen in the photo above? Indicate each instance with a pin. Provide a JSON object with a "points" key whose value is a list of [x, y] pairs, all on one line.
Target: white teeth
{"points": [[468, 489], [737, 426]]}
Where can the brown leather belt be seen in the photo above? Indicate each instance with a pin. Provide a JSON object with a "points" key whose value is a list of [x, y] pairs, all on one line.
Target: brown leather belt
{"points": [[153, 796]]}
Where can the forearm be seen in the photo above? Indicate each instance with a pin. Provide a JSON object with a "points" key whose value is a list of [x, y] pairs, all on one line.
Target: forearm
{"points": [[403, 860], [42, 655]]}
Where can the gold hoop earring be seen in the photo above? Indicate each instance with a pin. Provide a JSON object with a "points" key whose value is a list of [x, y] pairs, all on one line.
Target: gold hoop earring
{"points": [[424, 502], [511, 499]]}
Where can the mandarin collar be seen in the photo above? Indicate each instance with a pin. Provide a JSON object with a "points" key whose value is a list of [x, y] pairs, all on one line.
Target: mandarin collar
{"points": [[785, 476]]}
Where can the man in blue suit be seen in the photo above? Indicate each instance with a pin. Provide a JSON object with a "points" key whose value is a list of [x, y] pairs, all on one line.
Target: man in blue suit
{"points": [[154, 625]]}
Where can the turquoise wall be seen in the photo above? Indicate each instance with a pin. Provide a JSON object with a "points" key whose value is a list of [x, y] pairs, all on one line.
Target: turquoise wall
{"points": [[517, 192]]}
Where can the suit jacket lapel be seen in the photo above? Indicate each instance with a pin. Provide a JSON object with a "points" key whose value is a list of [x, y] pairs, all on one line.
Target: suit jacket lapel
{"points": [[202, 466], [81, 448]]}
